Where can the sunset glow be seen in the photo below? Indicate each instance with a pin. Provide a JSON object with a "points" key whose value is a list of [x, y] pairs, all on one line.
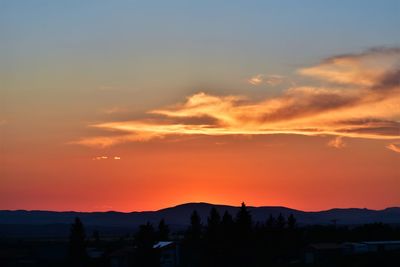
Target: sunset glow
{"points": [[106, 110]]}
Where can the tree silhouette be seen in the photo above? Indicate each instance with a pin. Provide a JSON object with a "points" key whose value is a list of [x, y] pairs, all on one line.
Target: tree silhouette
{"points": [[271, 222], [227, 225], [291, 222], [243, 243], [227, 219], [213, 238], [194, 232], [77, 247], [163, 230], [145, 237], [243, 221], [194, 255], [281, 222], [213, 224], [224, 241]]}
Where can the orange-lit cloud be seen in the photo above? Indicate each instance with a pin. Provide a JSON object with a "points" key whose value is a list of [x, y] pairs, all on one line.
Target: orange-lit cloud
{"points": [[106, 158], [271, 80], [365, 69], [337, 142], [368, 106], [100, 158], [256, 80], [394, 147]]}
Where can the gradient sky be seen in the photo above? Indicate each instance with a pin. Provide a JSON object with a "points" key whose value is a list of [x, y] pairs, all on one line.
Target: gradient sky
{"points": [[138, 105]]}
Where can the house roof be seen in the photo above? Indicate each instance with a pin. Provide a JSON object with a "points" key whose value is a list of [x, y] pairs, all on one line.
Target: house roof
{"points": [[162, 244]]}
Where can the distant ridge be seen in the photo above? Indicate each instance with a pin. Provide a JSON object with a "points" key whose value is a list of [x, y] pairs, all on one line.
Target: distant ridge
{"points": [[52, 223]]}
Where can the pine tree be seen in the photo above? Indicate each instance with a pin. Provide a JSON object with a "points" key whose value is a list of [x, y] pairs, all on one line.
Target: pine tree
{"points": [[291, 222], [194, 243], [281, 222], [227, 219], [244, 242], [145, 237], [243, 220], [77, 247], [163, 230], [227, 226], [213, 224], [194, 232]]}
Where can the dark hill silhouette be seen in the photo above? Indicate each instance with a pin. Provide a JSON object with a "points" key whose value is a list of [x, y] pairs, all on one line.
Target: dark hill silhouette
{"points": [[51, 223]]}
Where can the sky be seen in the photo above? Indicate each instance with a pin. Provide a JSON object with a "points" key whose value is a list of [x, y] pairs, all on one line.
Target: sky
{"points": [[141, 105]]}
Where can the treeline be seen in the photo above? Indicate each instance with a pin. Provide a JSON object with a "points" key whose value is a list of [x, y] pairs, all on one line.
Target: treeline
{"points": [[229, 240], [225, 240], [235, 240]]}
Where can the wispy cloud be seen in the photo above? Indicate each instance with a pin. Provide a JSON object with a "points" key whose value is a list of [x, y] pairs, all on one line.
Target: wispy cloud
{"points": [[337, 142], [256, 80], [106, 158], [100, 158], [394, 147], [362, 102], [270, 80], [274, 80], [372, 68]]}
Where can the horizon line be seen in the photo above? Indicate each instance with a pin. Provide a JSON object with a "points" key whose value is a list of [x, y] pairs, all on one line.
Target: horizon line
{"points": [[200, 202]]}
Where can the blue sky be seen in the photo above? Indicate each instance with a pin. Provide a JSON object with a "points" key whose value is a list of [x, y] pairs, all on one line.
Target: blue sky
{"points": [[188, 41]]}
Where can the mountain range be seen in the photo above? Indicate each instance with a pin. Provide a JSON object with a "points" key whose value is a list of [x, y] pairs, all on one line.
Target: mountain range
{"points": [[23, 223]]}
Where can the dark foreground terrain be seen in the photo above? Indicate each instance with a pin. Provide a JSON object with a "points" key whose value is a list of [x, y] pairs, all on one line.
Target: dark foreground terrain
{"points": [[209, 236]]}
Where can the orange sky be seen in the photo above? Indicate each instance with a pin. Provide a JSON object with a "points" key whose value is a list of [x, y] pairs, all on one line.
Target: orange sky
{"points": [[312, 147], [295, 171], [139, 106]]}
